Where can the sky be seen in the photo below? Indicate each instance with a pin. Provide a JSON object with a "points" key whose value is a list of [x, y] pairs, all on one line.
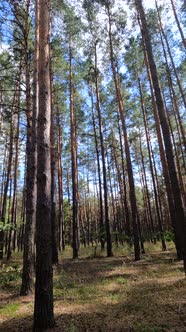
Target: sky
{"points": [[147, 4]]}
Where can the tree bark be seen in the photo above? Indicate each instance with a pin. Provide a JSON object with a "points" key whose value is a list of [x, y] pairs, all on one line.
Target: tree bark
{"points": [[171, 57], [106, 207], [9, 170], [101, 217], [127, 150], [74, 158], [43, 308], [61, 230], [31, 190], [178, 23], [179, 217]]}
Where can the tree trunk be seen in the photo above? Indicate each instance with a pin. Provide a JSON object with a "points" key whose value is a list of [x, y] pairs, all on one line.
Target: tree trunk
{"points": [[151, 167], [179, 217], [53, 186], [9, 170], [127, 211], [74, 158], [101, 223], [107, 224], [43, 309], [178, 23], [31, 190], [61, 236], [171, 57], [127, 150], [14, 201]]}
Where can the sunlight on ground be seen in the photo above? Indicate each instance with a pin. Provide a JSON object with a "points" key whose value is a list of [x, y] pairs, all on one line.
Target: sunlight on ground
{"points": [[106, 294]]}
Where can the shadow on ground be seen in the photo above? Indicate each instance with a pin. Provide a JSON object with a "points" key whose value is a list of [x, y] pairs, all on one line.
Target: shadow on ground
{"points": [[146, 296]]}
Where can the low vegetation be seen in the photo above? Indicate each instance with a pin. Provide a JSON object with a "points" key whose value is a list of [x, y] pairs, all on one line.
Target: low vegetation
{"points": [[104, 294]]}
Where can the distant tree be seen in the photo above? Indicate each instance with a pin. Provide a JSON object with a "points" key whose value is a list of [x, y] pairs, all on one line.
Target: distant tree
{"points": [[179, 217]]}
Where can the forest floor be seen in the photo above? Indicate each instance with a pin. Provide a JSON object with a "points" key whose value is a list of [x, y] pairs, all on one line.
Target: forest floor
{"points": [[103, 295]]}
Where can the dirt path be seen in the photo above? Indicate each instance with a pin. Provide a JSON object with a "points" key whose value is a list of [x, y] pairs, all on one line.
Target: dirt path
{"points": [[108, 294]]}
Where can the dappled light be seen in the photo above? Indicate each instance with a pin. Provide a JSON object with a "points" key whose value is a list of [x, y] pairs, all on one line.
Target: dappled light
{"points": [[137, 295], [92, 165]]}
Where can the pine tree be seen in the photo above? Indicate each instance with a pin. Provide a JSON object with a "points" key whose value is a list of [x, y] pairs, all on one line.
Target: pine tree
{"points": [[43, 309]]}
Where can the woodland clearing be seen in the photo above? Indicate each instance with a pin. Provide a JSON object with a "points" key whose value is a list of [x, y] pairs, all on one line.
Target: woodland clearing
{"points": [[104, 294]]}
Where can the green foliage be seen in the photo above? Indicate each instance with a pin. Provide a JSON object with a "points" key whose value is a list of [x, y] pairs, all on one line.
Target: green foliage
{"points": [[9, 275], [86, 27], [169, 236], [7, 226], [90, 9], [122, 238]]}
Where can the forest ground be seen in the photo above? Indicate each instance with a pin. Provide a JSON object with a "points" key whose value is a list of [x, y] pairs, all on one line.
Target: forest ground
{"points": [[103, 294]]}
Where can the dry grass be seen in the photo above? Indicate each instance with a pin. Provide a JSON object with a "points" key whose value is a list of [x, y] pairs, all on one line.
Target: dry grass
{"points": [[108, 294]]}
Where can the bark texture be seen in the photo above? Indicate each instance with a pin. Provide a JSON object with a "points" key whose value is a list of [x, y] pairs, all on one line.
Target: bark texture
{"points": [[43, 310]]}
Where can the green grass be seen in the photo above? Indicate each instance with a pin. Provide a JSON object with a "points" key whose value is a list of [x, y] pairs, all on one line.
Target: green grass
{"points": [[121, 250], [151, 247], [9, 309], [63, 281], [72, 328], [114, 296], [142, 327], [121, 280], [119, 288]]}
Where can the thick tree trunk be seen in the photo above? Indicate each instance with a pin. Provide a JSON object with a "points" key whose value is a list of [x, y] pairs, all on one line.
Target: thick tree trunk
{"points": [[43, 309]]}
